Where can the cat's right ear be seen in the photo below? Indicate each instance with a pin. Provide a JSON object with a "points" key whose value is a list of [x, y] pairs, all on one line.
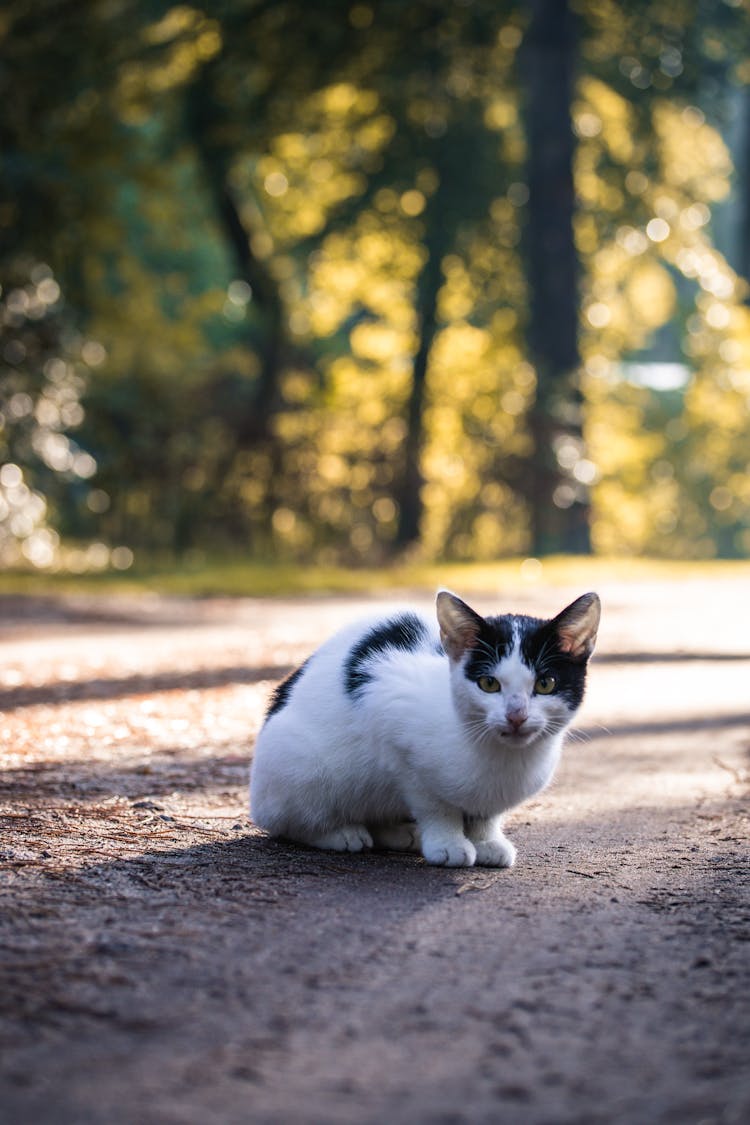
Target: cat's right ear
{"points": [[459, 624]]}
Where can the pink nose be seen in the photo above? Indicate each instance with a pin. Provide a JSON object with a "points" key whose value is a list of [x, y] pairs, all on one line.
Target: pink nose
{"points": [[516, 719]]}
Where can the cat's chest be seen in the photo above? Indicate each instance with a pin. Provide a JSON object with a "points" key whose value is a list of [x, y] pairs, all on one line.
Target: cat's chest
{"points": [[486, 781]]}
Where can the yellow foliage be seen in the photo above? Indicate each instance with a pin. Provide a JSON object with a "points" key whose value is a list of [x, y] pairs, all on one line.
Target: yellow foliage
{"points": [[340, 99], [381, 343], [615, 115], [177, 21], [650, 294], [189, 40], [501, 113], [694, 158], [643, 213]]}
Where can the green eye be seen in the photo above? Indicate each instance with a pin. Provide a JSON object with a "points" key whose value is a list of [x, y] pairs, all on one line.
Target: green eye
{"points": [[545, 685], [488, 683]]}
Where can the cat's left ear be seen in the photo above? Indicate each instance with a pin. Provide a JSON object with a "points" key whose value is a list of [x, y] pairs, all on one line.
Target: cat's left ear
{"points": [[459, 624], [577, 625]]}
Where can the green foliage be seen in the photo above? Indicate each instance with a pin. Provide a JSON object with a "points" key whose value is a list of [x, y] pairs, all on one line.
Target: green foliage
{"points": [[43, 469], [290, 240]]}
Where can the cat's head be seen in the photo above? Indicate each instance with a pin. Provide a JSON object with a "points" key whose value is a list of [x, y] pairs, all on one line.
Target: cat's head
{"points": [[517, 679]]}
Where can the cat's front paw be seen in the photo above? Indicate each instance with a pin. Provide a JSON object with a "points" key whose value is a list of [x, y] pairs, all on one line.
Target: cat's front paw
{"points": [[452, 852], [495, 853]]}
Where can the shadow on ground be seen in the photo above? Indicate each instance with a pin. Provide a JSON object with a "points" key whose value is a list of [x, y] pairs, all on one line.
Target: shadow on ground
{"points": [[103, 688], [246, 977]]}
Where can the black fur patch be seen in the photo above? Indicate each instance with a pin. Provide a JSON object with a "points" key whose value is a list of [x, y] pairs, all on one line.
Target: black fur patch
{"points": [[540, 651], [494, 642], [405, 632], [281, 694]]}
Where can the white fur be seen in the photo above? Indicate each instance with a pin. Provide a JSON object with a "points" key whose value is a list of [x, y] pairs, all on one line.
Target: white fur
{"points": [[419, 743]]}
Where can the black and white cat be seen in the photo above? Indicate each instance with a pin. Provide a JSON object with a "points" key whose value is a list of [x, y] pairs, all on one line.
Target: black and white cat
{"points": [[406, 735]]}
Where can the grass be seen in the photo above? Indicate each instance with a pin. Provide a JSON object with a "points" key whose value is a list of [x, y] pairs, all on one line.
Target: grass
{"points": [[234, 577]]}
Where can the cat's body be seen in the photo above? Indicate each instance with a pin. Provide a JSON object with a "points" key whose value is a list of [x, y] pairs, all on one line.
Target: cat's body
{"points": [[407, 733]]}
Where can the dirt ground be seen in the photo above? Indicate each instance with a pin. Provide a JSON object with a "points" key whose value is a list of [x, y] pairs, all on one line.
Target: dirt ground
{"points": [[162, 962]]}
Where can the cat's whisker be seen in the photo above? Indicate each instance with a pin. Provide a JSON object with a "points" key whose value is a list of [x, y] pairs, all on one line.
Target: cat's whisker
{"points": [[544, 652], [579, 736], [492, 653], [480, 731]]}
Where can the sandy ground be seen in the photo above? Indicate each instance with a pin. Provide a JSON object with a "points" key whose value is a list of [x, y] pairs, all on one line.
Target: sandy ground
{"points": [[162, 962]]}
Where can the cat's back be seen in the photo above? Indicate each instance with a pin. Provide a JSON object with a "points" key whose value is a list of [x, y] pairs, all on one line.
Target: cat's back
{"points": [[336, 681]]}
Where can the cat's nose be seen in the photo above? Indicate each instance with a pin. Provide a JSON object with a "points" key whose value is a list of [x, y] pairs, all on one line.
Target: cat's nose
{"points": [[516, 716], [516, 722]]}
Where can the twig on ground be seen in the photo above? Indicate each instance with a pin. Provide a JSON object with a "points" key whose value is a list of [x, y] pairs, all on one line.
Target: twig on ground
{"points": [[481, 884], [739, 773]]}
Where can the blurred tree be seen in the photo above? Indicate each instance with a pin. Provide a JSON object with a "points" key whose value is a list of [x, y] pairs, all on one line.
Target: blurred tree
{"points": [[655, 90], [43, 470], [559, 508], [420, 111], [291, 236], [53, 123]]}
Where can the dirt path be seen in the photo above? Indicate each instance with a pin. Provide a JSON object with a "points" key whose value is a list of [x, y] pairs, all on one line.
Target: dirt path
{"points": [[162, 963]]}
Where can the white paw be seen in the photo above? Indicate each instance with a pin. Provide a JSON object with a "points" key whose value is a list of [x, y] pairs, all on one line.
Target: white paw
{"points": [[351, 838], [451, 852], [496, 853]]}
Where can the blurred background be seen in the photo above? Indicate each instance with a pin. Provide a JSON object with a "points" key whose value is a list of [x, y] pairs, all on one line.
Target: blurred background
{"points": [[371, 281]]}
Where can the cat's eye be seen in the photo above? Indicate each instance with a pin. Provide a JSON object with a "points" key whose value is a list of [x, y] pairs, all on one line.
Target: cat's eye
{"points": [[545, 685], [488, 683]]}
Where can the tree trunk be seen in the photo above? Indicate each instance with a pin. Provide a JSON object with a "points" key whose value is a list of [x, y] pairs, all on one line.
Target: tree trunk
{"points": [[559, 505], [742, 254], [408, 494], [269, 341]]}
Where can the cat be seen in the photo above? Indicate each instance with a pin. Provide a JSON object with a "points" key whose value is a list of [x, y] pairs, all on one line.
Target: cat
{"points": [[412, 735]]}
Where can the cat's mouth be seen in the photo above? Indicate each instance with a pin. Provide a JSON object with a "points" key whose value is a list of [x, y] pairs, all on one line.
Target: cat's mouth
{"points": [[520, 736], [500, 730]]}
